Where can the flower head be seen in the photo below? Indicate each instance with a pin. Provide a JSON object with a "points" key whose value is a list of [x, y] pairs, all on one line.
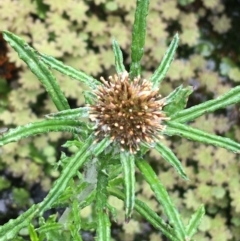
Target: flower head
{"points": [[130, 112]]}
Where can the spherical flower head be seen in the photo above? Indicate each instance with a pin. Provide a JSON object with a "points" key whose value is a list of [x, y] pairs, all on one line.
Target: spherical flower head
{"points": [[129, 111]]}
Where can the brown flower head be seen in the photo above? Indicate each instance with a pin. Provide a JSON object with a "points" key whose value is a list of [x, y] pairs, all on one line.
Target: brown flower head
{"points": [[130, 112]]}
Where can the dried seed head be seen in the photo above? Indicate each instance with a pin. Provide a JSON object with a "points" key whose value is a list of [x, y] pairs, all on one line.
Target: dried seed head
{"points": [[130, 112]]}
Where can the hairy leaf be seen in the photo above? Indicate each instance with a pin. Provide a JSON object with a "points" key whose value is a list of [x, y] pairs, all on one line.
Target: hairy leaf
{"points": [[195, 221], [70, 170], [32, 233], [150, 215], [127, 160], [231, 97], [138, 37], [70, 114], [103, 223], [161, 71], [12, 227], [68, 70], [120, 68], [40, 127], [162, 197], [170, 157], [174, 128], [103, 227], [38, 67], [177, 101]]}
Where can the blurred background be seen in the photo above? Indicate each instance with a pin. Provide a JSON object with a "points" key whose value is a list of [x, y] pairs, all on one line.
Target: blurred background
{"points": [[79, 33]]}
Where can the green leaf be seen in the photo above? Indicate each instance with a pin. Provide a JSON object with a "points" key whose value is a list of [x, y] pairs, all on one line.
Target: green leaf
{"points": [[120, 68], [89, 97], [32, 233], [161, 71], [74, 224], [10, 229], [138, 37], [44, 126], [174, 128], [48, 227], [231, 97], [87, 200], [103, 227], [51, 229], [76, 113], [170, 157], [116, 182], [69, 71], [68, 194], [100, 146], [177, 100], [112, 212], [195, 221], [70, 169], [101, 192], [38, 67], [150, 215], [162, 197], [114, 171], [127, 160], [173, 95], [76, 219]]}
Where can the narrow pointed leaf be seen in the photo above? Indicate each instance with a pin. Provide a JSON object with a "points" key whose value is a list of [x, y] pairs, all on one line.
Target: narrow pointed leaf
{"points": [[99, 147], [89, 97], [103, 227], [162, 197], [195, 221], [70, 114], [115, 171], [138, 37], [231, 97], [75, 229], [103, 223], [69, 71], [49, 227], [120, 68], [112, 212], [127, 160], [13, 226], [32, 233], [178, 101], [68, 193], [173, 95], [194, 134], [40, 127], [70, 170], [77, 235], [39, 68], [150, 215], [101, 192], [90, 196], [170, 157], [161, 71]]}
